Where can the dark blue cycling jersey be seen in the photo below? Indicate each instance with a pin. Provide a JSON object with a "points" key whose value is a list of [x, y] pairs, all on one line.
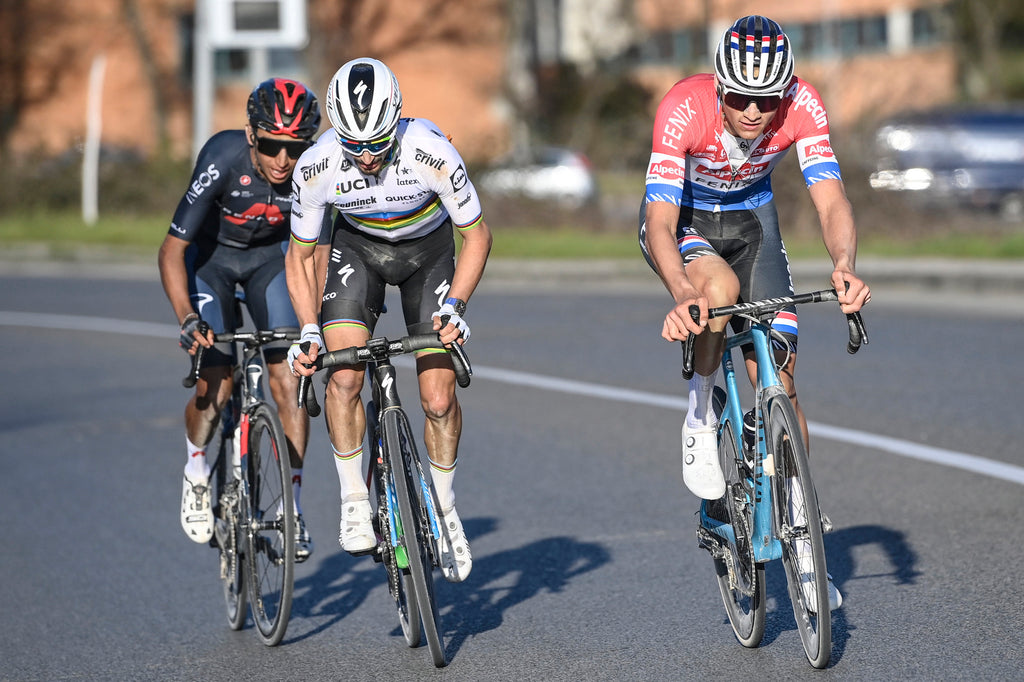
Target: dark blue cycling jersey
{"points": [[228, 201]]}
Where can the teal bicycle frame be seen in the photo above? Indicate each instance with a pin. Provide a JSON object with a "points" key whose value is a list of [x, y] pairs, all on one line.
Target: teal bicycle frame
{"points": [[766, 545]]}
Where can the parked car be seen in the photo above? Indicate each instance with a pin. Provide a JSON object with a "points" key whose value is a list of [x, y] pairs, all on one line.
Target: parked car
{"points": [[956, 157], [562, 176]]}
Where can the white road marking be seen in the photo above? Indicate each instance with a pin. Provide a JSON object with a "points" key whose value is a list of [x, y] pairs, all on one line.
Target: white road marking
{"points": [[896, 446]]}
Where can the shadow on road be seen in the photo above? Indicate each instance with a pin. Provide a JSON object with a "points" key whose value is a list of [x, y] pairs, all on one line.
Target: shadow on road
{"points": [[839, 545], [498, 582]]}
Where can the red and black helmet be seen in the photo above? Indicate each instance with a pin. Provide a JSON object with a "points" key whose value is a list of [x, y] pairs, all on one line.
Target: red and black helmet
{"points": [[284, 107]]}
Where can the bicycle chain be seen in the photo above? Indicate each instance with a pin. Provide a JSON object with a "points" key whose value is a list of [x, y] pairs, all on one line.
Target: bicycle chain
{"points": [[741, 530]]}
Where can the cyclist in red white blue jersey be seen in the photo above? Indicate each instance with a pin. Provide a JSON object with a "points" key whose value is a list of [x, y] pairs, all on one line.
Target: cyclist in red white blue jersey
{"points": [[708, 224]]}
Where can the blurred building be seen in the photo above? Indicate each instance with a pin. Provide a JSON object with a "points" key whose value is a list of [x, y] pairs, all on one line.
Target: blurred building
{"points": [[469, 65]]}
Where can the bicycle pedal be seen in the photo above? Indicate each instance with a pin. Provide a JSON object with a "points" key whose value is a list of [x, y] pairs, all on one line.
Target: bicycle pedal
{"points": [[826, 524]]}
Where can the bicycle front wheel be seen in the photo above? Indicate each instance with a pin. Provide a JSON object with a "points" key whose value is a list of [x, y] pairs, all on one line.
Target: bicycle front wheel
{"points": [[401, 450], [398, 579], [798, 526], [270, 555], [740, 577]]}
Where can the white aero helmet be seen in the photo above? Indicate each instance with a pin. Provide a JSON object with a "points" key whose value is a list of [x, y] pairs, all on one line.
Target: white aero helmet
{"points": [[754, 58], [364, 102]]}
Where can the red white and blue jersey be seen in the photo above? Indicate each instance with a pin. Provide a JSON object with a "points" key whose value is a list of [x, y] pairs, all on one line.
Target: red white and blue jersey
{"points": [[696, 163]]}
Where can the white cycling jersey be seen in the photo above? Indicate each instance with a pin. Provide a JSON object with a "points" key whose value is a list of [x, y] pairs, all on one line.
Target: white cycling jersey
{"points": [[425, 183]]}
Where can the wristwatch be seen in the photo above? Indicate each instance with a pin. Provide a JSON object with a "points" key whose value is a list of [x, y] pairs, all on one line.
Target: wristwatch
{"points": [[458, 304]]}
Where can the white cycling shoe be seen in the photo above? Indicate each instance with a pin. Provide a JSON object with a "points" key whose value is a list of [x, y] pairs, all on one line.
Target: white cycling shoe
{"points": [[356, 534], [702, 473], [456, 559], [196, 515], [804, 562], [835, 597]]}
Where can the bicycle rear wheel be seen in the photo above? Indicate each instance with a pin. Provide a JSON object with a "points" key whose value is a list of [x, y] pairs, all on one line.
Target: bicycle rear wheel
{"points": [[740, 577], [401, 449], [401, 592], [798, 526], [270, 551]]}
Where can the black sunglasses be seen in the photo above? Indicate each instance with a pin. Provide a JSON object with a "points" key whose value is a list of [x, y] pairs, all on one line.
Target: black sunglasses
{"points": [[739, 101], [271, 147]]}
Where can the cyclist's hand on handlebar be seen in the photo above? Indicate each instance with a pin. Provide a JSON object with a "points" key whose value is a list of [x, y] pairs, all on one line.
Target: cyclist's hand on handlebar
{"points": [[298, 360], [191, 335], [853, 292], [455, 330], [679, 324]]}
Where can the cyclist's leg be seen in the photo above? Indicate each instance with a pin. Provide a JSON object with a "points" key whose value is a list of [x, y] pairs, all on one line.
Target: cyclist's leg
{"points": [[212, 297], [352, 303], [713, 277], [763, 268], [422, 294]]}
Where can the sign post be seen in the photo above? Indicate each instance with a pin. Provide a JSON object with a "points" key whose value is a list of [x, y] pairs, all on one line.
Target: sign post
{"points": [[238, 24]]}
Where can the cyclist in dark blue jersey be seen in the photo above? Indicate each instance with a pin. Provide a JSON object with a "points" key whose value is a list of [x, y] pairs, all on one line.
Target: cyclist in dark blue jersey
{"points": [[230, 230]]}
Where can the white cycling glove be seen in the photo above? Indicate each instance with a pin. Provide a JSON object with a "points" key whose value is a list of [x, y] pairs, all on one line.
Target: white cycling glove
{"points": [[454, 318], [311, 333]]}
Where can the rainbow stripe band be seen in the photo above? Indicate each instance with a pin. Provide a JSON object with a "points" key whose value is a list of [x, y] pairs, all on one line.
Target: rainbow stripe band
{"points": [[343, 324], [475, 222], [303, 242], [347, 456], [445, 469]]}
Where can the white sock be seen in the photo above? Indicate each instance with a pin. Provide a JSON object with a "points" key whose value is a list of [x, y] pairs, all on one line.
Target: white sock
{"points": [[700, 413], [196, 466], [350, 473], [297, 488], [443, 476]]}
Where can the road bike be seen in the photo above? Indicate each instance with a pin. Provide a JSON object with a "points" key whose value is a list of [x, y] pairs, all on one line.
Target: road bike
{"points": [[406, 520], [770, 508], [251, 492]]}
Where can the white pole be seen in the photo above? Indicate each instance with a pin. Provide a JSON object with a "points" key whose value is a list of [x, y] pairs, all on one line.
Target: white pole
{"points": [[202, 79], [93, 134]]}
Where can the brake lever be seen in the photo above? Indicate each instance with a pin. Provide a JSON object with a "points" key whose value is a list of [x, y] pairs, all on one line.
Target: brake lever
{"points": [[307, 397], [688, 345], [197, 360]]}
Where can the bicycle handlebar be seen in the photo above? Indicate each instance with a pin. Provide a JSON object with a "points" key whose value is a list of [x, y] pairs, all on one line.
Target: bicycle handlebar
{"points": [[250, 338], [379, 349], [855, 323]]}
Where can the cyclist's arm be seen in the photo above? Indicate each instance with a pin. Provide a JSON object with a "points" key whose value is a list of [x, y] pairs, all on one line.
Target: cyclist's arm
{"points": [[840, 236], [301, 273], [661, 218], [476, 246]]}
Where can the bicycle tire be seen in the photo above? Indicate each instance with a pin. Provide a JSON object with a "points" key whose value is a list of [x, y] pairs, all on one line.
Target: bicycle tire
{"points": [[793, 467], [399, 444], [380, 474], [270, 547], [232, 567], [742, 588]]}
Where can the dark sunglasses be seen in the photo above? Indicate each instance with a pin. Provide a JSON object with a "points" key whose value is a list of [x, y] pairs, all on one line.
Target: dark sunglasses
{"points": [[272, 147], [375, 147], [739, 101]]}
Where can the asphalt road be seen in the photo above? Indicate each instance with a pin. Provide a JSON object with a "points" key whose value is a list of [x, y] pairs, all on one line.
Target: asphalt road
{"points": [[586, 563]]}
